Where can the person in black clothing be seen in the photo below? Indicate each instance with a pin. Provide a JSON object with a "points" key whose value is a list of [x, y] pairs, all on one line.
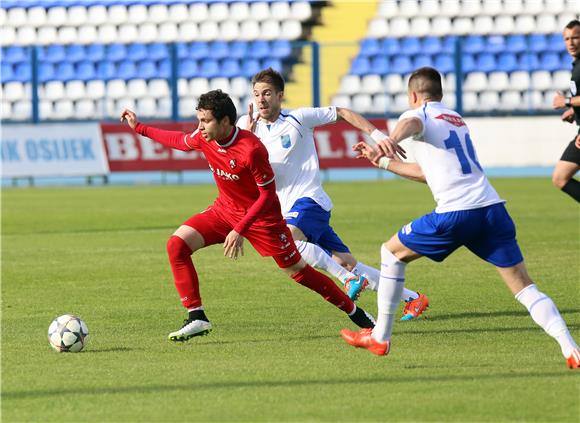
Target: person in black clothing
{"points": [[569, 164]]}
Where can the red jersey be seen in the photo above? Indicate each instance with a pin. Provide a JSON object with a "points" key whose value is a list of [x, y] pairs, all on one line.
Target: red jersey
{"points": [[239, 165]]}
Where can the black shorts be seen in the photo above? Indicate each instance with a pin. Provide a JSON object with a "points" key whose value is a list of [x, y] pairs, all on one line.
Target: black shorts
{"points": [[571, 153]]}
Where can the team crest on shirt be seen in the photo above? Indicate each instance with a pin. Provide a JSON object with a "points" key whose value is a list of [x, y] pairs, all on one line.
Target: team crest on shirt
{"points": [[407, 229], [232, 163], [573, 88], [285, 139], [284, 240], [452, 119]]}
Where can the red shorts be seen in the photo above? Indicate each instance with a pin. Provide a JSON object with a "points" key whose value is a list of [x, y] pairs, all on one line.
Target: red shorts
{"points": [[271, 239]]}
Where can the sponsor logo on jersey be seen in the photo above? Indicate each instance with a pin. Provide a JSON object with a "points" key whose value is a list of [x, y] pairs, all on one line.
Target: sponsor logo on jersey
{"points": [[226, 176], [573, 87], [289, 256], [293, 215], [452, 119], [407, 229], [232, 163], [221, 150], [285, 139]]}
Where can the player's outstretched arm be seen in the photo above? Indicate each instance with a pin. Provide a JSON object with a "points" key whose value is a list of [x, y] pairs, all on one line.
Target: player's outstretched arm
{"points": [[410, 171]]}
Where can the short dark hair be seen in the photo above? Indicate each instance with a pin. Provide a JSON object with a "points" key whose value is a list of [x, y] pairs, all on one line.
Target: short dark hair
{"points": [[427, 82], [220, 104], [573, 23], [270, 76]]}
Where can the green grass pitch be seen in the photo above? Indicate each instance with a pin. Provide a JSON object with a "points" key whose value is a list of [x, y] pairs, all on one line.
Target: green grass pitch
{"points": [[275, 353]]}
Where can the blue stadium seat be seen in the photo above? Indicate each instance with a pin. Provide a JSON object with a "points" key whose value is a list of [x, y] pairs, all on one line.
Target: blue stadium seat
{"points": [[182, 50], [537, 43], [209, 68], [495, 44], [188, 68], [23, 72], [507, 62], [116, 52], [146, 69], [550, 61], [137, 52], [444, 63], [163, 69], [421, 60], [390, 46], [95, 52], [448, 44], [556, 42], [468, 63], [360, 66], [15, 54], [250, 67], [516, 43], [45, 72], [566, 61], [106, 70], [275, 64], [199, 50], [281, 49], [259, 49], [65, 71], [528, 61], [485, 62], [86, 71], [230, 68], [370, 47], [7, 73], [127, 70], [431, 45], [157, 51], [401, 65], [75, 53], [219, 50], [54, 53], [473, 44], [238, 50], [410, 46], [380, 65]]}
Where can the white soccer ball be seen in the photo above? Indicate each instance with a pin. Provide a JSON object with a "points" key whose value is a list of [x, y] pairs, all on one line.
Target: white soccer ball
{"points": [[68, 333]]}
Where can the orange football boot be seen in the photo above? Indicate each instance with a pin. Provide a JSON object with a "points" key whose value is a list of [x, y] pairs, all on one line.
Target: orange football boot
{"points": [[415, 308], [363, 339], [574, 360]]}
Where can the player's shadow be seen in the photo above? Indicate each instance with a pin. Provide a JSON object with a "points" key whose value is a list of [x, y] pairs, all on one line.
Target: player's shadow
{"points": [[269, 384]]}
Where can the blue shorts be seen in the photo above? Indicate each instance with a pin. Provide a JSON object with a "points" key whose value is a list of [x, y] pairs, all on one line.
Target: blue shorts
{"points": [[488, 232], [307, 215]]}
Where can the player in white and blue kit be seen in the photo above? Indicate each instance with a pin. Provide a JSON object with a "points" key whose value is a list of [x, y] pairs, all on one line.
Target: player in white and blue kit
{"points": [[288, 136], [469, 213]]}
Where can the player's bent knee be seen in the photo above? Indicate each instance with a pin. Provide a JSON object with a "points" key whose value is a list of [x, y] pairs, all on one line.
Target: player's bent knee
{"points": [[177, 248]]}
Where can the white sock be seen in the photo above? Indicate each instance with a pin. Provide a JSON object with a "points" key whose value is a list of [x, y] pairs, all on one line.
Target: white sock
{"points": [[195, 308], [546, 315], [373, 276], [391, 284], [317, 257]]}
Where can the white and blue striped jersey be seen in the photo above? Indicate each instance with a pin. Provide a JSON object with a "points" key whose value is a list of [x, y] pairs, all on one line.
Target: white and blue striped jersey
{"points": [[445, 152], [292, 153]]}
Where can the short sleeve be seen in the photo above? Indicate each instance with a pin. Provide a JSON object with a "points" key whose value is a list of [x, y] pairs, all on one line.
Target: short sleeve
{"points": [[417, 114], [317, 116], [242, 122], [260, 166], [193, 140]]}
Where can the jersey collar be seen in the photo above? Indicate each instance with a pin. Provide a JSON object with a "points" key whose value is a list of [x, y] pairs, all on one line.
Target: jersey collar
{"points": [[230, 140]]}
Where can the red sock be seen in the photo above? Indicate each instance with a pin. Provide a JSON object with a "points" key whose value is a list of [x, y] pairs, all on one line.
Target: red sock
{"points": [[184, 274], [322, 284]]}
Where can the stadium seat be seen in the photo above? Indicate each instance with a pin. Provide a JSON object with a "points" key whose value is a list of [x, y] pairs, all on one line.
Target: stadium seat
{"points": [[53, 90], [259, 49], [550, 61], [7, 73], [14, 90], [450, 8], [270, 29], [87, 34], [6, 109], [468, 63], [341, 100], [377, 28], [381, 103], [497, 81], [541, 80], [229, 30], [525, 24], [528, 62], [158, 88], [485, 62], [74, 90], [157, 51], [470, 8], [45, 72], [507, 62], [158, 13], [511, 100], [441, 26], [239, 11], [394, 84], [108, 34], [67, 35], [117, 14], [148, 33], [473, 44], [399, 27], [449, 43], [188, 31], [14, 54], [422, 60], [556, 43], [380, 65], [56, 16], [420, 26], [561, 80], [137, 88], [520, 81], [360, 66], [546, 23], [537, 43], [230, 68], [137, 13], [462, 26], [209, 68], [534, 100], [361, 103], [371, 84], [488, 101], [370, 47], [301, 10], [95, 52], [388, 8], [65, 71], [291, 30], [220, 83], [516, 43], [116, 88], [260, 10], [7, 35], [63, 109], [280, 49], [475, 81], [199, 50], [275, 64], [470, 102], [409, 8], [127, 69], [45, 108], [491, 7], [429, 8], [198, 86], [239, 86], [504, 25], [249, 30], [218, 11], [402, 65], [390, 46], [75, 53], [147, 107], [52, 54], [26, 35], [95, 89], [350, 84], [177, 12], [482, 25], [128, 33], [410, 46], [106, 70], [444, 63], [85, 109], [400, 103], [36, 16], [250, 67], [116, 52], [431, 45]]}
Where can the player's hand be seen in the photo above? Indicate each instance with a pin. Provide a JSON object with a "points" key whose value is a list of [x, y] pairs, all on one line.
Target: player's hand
{"points": [[366, 151], [234, 245], [577, 142], [251, 124], [559, 101], [568, 115], [130, 117], [391, 149]]}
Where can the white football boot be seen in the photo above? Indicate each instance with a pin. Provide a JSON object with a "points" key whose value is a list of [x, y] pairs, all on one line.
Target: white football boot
{"points": [[190, 329]]}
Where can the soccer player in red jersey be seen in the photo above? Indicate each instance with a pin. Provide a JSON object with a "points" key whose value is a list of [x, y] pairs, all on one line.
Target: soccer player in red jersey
{"points": [[246, 207]]}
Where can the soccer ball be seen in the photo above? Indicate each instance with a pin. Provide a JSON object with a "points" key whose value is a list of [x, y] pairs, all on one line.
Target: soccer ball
{"points": [[68, 333]]}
